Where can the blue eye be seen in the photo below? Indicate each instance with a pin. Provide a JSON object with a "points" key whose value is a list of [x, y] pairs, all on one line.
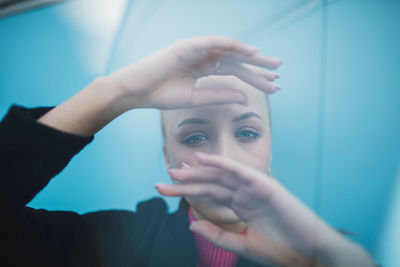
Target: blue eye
{"points": [[195, 139], [248, 134]]}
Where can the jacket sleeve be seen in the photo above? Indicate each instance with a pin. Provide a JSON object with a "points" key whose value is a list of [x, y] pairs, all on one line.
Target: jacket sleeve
{"points": [[31, 154]]}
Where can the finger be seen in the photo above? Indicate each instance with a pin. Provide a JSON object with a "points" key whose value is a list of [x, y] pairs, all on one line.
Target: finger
{"points": [[213, 191], [227, 240], [195, 174], [221, 45], [202, 175], [213, 96], [259, 249], [249, 76], [255, 59], [271, 76], [238, 170], [257, 184], [259, 60]]}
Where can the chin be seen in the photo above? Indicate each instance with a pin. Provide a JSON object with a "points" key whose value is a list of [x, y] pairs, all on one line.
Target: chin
{"points": [[212, 211]]}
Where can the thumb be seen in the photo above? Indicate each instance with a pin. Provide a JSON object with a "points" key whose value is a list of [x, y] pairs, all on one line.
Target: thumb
{"points": [[227, 240], [275, 253], [210, 96]]}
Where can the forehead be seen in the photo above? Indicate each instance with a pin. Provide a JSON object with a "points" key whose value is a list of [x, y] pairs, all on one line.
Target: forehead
{"points": [[256, 102]]}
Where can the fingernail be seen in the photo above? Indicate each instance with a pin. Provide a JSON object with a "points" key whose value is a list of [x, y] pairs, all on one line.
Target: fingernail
{"points": [[185, 165], [277, 76], [191, 226], [278, 88]]}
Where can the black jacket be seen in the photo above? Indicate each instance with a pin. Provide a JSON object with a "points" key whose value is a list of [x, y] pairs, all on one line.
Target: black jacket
{"points": [[30, 155]]}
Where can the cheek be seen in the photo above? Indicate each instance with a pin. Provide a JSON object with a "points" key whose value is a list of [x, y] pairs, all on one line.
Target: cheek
{"points": [[256, 155], [177, 155]]}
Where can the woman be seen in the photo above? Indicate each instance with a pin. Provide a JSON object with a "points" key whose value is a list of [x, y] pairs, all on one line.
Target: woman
{"points": [[229, 199]]}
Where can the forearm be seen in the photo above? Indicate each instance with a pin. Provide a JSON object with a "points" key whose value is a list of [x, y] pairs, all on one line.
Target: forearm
{"points": [[339, 251], [89, 110], [351, 255], [31, 154]]}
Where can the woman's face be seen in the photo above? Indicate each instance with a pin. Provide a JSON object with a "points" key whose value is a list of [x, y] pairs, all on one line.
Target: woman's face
{"points": [[231, 130]]}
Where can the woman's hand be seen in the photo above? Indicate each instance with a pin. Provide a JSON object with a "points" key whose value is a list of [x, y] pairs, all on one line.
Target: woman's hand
{"points": [[167, 78], [281, 229]]}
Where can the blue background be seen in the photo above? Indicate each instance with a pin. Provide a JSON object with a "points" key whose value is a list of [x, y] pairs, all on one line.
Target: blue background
{"points": [[336, 126]]}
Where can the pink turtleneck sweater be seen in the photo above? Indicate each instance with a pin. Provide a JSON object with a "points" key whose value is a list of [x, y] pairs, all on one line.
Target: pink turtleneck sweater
{"points": [[209, 255]]}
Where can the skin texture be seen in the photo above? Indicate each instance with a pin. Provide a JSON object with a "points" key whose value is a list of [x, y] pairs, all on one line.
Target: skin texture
{"points": [[231, 176], [247, 140], [170, 87], [238, 195]]}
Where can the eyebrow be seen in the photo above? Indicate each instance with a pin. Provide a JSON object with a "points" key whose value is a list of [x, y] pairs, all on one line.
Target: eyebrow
{"points": [[201, 121]]}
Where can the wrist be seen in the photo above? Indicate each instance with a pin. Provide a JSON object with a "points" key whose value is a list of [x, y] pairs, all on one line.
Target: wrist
{"points": [[130, 85], [111, 94], [89, 110], [339, 251]]}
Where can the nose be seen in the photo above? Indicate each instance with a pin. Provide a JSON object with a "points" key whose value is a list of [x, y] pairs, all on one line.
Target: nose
{"points": [[224, 146]]}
